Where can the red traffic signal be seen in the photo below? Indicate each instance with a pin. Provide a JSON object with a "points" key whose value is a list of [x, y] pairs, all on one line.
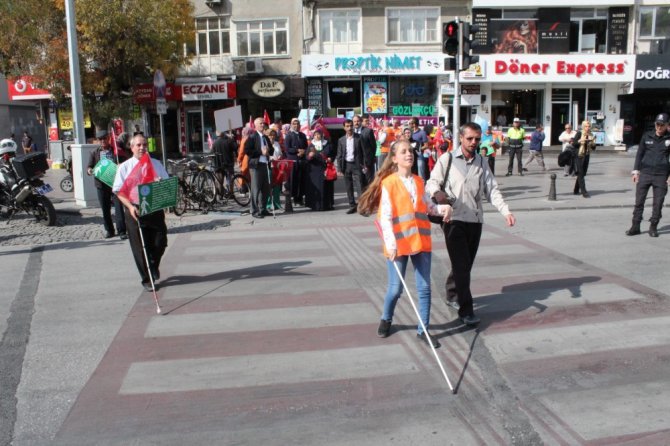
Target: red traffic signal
{"points": [[450, 38]]}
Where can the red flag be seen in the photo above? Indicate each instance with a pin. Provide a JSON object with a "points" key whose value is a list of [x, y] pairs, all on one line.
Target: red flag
{"points": [[266, 117], [142, 173], [115, 145], [210, 143], [251, 123]]}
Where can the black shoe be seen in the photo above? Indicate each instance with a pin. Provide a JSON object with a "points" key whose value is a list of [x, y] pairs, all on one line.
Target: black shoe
{"points": [[266, 214], [575, 192], [586, 195], [109, 234], [352, 210], [453, 304], [384, 328], [428, 340], [147, 286], [123, 235], [470, 320], [256, 215], [156, 274], [653, 231], [520, 174], [524, 169], [508, 174], [634, 229]]}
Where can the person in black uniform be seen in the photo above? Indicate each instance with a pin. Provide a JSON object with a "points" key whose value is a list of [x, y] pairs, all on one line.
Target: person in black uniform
{"points": [[105, 196], [225, 149], [651, 170]]}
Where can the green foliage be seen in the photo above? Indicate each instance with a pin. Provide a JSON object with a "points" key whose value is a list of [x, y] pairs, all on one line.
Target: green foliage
{"points": [[121, 42]]}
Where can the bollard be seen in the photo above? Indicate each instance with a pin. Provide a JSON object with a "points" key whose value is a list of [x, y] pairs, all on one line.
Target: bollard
{"points": [[552, 187]]}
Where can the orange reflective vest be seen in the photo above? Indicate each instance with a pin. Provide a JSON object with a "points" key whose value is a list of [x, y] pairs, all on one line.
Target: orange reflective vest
{"points": [[411, 226]]}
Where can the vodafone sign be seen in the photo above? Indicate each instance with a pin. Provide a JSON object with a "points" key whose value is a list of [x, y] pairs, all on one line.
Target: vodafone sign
{"points": [[558, 68], [208, 91], [21, 88]]}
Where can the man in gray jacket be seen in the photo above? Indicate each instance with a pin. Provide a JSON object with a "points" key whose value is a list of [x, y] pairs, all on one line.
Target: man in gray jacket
{"points": [[468, 180]]}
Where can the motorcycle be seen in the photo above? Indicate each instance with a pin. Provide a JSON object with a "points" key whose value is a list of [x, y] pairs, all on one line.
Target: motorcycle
{"points": [[22, 189]]}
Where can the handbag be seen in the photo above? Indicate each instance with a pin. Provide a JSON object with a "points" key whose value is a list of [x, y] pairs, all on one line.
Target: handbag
{"points": [[331, 171], [437, 219]]}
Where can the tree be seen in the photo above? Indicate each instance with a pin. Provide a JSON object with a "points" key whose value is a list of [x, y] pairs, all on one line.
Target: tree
{"points": [[121, 42]]}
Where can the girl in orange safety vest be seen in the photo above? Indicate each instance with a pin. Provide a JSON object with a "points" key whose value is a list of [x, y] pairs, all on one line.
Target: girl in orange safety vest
{"points": [[402, 207]]}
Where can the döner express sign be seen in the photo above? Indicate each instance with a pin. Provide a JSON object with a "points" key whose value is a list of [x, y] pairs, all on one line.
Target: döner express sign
{"points": [[268, 87]]}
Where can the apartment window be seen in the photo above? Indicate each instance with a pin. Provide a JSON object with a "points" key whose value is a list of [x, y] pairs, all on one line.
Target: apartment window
{"points": [[213, 36], [262, 37], [412, 25], [588, 30], [655, 22], [339, 26], [519, 13]]}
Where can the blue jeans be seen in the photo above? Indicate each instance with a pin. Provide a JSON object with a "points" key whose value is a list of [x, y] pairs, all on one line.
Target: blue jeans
{"points": [[421, 262]]}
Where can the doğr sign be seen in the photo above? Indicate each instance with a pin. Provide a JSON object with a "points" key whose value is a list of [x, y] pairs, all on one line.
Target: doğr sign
{"points": [[268, 87]]}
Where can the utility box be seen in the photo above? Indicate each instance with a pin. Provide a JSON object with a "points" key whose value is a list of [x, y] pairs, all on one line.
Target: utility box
{"points": [[85, 194]]}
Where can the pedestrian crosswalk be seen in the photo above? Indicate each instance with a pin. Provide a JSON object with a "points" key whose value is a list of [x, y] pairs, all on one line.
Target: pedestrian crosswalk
{"points": [[262, 331]]}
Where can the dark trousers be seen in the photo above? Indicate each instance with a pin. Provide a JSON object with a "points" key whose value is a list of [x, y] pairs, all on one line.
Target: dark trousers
{"points": [[260, 188], [462, 243], [154, 232], [660, 188], [298, 178], [352, 178], [106, 199], [581, 167], [492, 164], [514, 153], [328, 194]]}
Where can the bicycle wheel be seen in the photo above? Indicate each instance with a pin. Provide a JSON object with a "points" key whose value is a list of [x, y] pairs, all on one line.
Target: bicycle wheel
{"points": [[181, 205], [241, 190], [205, 185]]}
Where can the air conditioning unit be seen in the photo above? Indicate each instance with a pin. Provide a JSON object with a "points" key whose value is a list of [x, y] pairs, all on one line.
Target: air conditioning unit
{"points": [[253, 66], [213, 2]]}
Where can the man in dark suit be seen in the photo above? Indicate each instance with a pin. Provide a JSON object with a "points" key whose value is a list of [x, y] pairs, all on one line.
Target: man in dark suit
{"points": [[259, 149], [350, 162], [369, 144], [225, 149], [295, 144]]}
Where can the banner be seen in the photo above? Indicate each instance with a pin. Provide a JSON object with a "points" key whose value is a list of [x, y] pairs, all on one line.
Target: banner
{"points": [[157, 195], [513, 36], [105, 171], [375, 95]]}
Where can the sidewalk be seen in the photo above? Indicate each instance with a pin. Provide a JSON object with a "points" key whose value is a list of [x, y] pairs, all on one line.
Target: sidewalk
{"points": [[608, 182]]}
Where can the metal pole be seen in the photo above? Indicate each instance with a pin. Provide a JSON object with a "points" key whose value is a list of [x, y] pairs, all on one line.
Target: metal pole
{"points": [[455, 141], [75, 81], [160, 121]]}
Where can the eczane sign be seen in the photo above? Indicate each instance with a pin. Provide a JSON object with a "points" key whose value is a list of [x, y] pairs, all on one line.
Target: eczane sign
{"points": [[208, 91]]}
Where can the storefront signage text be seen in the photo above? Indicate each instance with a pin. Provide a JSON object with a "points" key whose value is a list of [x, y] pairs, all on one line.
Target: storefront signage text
{"points": [[561, 67], [413, 110], [268, 88], [208, 91], [652, 71], [659, 73], [372, 64], [23, 88]]}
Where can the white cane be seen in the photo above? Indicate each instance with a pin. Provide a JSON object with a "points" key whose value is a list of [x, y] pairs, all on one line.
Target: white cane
{"points": [[272, 198], [146, 259], [425, 329]]}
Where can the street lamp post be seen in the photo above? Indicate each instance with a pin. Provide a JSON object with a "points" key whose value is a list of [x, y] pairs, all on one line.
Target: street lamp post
{"points": [[75, 81]]}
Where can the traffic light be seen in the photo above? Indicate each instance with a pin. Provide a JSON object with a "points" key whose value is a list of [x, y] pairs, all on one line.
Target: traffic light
{"points": [[450, 38], [466, 43]]}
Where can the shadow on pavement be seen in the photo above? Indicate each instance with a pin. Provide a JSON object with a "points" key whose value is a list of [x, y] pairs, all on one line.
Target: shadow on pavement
{"points": [[260, 271], [64, 245], [204, 226]]}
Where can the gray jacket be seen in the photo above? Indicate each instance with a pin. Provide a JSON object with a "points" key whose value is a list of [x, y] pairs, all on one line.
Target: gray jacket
{"points": [[468, 182]]}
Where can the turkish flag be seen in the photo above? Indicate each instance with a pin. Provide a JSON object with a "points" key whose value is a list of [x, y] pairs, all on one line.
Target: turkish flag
{"points": [[142, 173], [266, 117]]}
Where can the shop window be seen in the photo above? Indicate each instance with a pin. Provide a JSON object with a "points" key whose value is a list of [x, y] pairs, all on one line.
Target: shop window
{"points": [[262, 37], [526, 104], [413, 96], [588, 31], [412, 25], [655, 22], [339, 25], [344, 97], [213, 36]]}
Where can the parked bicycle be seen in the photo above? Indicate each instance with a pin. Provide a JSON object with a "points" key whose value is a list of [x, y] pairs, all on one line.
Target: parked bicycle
{"points": [[236, 187], [196, 190]]}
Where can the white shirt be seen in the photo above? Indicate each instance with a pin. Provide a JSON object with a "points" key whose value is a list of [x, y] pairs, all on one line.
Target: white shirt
{"points": [[350, 150], [565, 138], [263, 158], [127, 166]]}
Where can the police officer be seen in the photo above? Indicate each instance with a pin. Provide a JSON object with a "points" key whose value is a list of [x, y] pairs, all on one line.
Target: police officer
{"points": [[651, 170]]}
